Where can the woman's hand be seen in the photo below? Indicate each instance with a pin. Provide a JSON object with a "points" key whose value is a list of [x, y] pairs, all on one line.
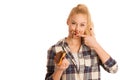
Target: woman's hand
{"points": [[59, 69], [64, 65], [90, 40]]}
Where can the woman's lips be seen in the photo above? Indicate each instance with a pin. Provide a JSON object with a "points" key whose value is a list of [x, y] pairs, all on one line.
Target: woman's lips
{"points": [[74, 33]]}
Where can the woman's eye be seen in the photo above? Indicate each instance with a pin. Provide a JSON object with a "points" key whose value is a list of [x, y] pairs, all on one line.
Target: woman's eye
{"points": [[82, 24], [73, 22]]}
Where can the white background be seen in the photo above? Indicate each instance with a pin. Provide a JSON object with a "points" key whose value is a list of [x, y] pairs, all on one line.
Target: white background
{"points": [[29, 27]]}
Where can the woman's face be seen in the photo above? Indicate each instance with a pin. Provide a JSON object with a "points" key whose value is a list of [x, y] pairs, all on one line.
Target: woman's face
{"points": [[77, 25]]}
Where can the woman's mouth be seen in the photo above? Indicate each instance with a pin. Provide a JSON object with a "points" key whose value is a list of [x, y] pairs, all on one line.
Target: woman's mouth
{"points": [[74, 33]]}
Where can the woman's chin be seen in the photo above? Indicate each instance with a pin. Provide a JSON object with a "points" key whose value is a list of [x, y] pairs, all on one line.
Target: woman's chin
{"points": [[76, 36]]}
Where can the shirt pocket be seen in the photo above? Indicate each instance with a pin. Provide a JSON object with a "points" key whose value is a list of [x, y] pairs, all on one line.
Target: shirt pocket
{"points": [[87, 61], [90, 61], [91, 64]]}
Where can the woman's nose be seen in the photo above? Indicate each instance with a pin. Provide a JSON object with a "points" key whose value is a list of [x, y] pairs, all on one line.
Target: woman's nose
{"points": [[77, 27]]}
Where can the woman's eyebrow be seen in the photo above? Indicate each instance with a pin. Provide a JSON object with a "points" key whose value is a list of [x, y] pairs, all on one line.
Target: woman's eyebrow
{"points": [[83, 22]]}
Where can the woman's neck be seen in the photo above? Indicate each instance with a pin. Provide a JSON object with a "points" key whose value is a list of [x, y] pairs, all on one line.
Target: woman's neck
{"points": [[74, 44], [73, 41]]}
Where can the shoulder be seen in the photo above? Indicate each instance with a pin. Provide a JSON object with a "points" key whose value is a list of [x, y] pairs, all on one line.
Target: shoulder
{"points": [[57, 46]]}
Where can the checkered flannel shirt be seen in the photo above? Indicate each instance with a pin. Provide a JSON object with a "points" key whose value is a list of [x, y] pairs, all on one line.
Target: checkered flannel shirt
{"points": [[89, 63]]}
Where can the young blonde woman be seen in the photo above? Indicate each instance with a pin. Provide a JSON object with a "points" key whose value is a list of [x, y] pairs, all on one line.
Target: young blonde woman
{"points": [[84, 55]]}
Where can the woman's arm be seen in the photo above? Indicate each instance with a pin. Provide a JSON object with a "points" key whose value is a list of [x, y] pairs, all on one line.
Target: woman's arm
{"points": [[109, 64], [59, 69], [103, 55], [54, 72]]}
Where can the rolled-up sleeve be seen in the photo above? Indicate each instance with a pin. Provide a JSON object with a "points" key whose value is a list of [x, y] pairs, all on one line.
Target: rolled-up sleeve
{"points": [[50, 64], [49, 78], [111, 65]]}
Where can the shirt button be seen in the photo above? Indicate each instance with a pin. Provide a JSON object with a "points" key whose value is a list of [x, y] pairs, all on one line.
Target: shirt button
{"points": [[80, 55]]}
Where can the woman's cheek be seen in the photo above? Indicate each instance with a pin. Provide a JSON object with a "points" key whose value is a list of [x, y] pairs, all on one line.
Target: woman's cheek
{"points": [[82, 32]]}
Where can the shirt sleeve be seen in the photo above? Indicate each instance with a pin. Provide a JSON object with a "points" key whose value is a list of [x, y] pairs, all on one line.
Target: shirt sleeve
{"points": [[111, 65], [50, 64]]}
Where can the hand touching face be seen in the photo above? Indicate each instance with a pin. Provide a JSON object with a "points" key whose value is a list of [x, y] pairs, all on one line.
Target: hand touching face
{"points": [[90, 40], [77, 25]]}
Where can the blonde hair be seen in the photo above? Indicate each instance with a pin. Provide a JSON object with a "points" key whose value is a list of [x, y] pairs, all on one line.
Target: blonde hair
{"points": [[82, 9]]}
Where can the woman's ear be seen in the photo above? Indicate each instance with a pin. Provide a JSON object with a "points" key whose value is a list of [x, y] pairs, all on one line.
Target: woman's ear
{"points": [[67, 22]]}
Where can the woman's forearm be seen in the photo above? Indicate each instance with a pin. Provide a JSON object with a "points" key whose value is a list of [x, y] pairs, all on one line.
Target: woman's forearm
{"points": [[104, 56], [57, 74]]}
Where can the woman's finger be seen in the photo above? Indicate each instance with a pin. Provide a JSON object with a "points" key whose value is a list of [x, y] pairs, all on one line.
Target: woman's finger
{"points": [[83, 36]]}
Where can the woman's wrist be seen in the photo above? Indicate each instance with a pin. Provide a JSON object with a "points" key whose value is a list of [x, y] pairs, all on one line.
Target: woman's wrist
{"points": [[57, 74]]}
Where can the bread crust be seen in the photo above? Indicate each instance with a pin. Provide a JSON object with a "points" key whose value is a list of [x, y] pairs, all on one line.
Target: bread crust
{"points": [[59, 57]]}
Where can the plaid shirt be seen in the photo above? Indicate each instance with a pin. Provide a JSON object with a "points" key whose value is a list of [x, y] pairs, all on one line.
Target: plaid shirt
{"points": [[89, 63]]}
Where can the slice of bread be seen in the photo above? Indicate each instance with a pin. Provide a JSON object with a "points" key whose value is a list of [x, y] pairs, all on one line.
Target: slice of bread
{"points": [[59, 57]]}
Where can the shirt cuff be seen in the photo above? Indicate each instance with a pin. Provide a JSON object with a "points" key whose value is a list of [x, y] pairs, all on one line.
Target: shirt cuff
{"points": [[110, 62], [111, 65], [49, 78]]}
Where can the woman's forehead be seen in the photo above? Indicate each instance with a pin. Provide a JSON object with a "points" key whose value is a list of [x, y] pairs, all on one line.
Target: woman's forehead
{"points": [[79, 17]]}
